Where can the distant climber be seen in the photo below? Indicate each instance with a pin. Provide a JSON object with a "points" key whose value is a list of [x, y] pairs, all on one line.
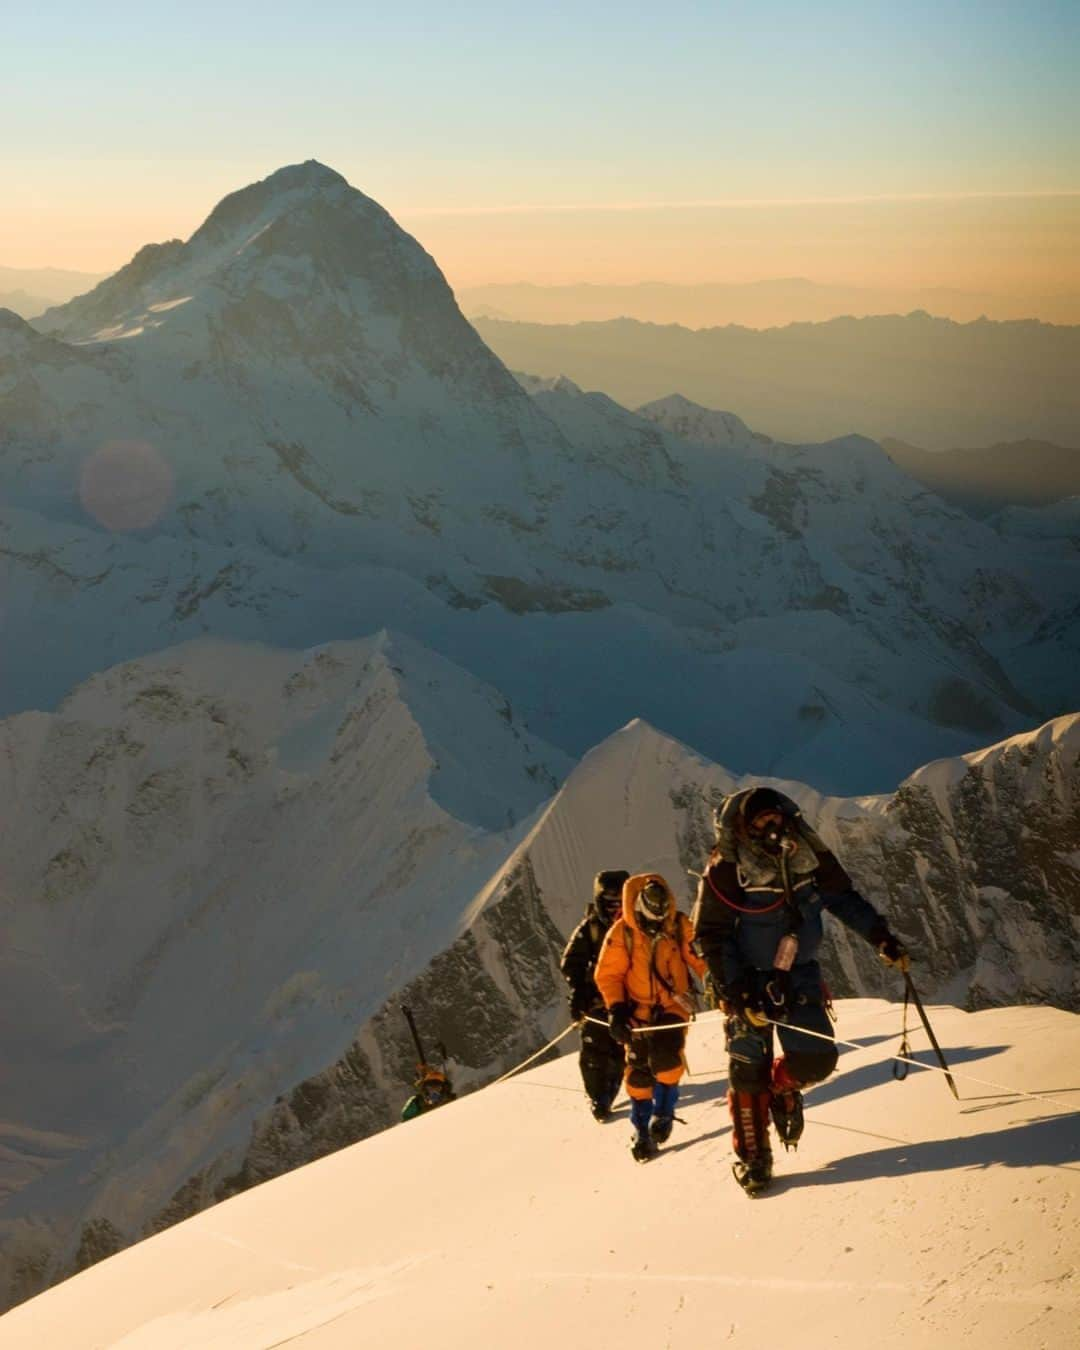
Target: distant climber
{"points": [[758, 926], [601, 1057], [644, 978], [432, 1087]]}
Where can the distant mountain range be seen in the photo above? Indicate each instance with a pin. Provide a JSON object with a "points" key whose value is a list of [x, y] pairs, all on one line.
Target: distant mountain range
{"points": [[309, 607], [1020, 473], [29, 291], [283, 429], [914, 378], [757, 304]]}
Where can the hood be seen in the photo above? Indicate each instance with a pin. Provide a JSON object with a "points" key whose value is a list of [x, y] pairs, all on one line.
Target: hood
{"points": [[730, 819], [633, 888], [610, 879]]}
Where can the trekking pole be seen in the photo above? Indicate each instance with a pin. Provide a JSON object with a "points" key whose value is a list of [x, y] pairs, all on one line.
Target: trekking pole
{"points": [[911, 991], [900, 1065], [415, 1036]]}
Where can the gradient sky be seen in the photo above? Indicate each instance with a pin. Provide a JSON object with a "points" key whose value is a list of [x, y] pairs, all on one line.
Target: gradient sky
{"points": [[611, 142]]}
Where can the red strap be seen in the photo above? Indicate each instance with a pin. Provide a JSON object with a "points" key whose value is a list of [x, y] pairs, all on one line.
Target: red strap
{"points": [[742, 909]]}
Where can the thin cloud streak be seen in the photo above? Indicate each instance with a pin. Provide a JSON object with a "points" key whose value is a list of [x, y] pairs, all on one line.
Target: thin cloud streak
{"points": [[567, 208]]}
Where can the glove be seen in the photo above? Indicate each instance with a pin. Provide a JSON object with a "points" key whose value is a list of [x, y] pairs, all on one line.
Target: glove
{"points": [[619, 1022], [739, 1001], [893, 952], [580, 1003]]}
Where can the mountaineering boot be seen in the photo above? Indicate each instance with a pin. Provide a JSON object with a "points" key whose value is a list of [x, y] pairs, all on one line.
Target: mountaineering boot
{"points": [[601, 1105], [752, 1167], [642, 1147], [786, 1106], [754, 1176], [665, 1096]]}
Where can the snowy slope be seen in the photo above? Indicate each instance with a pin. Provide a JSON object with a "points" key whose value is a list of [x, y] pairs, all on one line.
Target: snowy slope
{"points": [[689, 421], [218, 863], [228, 867], [510, 1217], [851, 597], [284, 430]]}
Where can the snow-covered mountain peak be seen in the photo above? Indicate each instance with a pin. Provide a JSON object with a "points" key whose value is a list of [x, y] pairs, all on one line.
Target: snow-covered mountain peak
{"points": [[293, 238], [16, 335], [545, 384], [1058, 739], [278, 190], [300, 706], [703, 426]]}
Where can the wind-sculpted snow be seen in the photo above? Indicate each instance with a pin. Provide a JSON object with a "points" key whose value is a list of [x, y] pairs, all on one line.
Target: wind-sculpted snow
{"points": [[283, 429]]}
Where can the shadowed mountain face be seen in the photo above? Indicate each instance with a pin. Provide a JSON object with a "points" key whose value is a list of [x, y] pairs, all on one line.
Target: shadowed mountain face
{"points": [[928, 381], [1022, 473], [284, 430]]}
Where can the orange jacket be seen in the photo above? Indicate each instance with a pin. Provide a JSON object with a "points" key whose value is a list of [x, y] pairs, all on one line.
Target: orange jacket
{"points": [[644, 971]]}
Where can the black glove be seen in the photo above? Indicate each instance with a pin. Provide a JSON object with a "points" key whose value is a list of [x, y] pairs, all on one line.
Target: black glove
{"points": [[740, 1000], [893, 952], [619, 1022], [580, 1003]]}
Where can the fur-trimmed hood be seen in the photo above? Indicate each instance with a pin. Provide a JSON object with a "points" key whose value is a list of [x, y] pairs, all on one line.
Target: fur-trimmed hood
{"points": [[760, 867], [633, 887]]}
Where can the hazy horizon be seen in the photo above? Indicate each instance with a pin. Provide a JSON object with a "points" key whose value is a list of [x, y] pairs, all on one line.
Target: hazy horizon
{"points": [[912, 150], [1018, 248], [764, 302]]}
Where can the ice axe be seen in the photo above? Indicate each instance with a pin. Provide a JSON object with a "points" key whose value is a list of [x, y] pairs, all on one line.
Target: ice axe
{"points": [[900, 1069], [416, 1037]]}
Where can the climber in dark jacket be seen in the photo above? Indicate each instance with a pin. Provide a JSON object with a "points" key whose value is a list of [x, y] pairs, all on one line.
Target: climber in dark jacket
{"points": [[601, 1057], [758, 926]]}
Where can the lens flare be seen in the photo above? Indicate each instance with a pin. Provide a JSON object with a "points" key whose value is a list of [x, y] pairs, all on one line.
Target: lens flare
{"points": [[125, 485]]}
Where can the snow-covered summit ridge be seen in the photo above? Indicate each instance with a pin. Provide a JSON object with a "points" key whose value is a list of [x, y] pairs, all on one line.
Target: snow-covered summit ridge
{"points": [[705, 426], [944, 1221], [329, 449], [302, 227], [347, 808], [1060, 736]]}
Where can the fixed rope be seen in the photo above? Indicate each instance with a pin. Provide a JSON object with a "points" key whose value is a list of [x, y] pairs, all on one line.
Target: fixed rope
{"points": [[664, 1026], [918, 1063], [802, 1031], [853, 1045], [518, 1067]]}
